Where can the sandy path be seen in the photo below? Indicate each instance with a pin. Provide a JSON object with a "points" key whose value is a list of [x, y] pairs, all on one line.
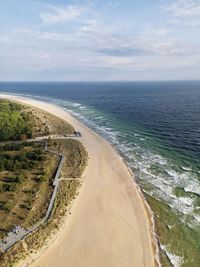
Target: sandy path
{"points": [[109, 224]]}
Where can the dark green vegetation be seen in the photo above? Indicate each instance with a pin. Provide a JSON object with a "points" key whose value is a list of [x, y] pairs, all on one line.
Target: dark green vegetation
{"points": [[174, 233], [15, 124], [14, 157]]}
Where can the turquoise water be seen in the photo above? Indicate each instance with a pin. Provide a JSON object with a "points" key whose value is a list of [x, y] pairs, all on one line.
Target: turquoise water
{"points": [[156, 127]]}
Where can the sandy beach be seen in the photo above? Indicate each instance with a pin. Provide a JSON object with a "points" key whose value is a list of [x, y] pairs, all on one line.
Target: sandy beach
{"points": [[109, 225]]}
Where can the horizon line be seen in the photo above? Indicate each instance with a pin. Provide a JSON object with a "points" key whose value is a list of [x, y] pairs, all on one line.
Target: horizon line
{"points": [[99, 81]]}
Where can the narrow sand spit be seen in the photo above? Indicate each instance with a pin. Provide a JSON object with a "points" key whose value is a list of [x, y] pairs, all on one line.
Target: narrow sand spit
{"points": [[109, 224]]}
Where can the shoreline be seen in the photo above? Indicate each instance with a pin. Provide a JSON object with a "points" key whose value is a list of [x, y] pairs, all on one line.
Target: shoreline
{"points": [[148, 251], [150, 216]]}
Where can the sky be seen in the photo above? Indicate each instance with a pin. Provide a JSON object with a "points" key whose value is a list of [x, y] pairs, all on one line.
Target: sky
{"points": [[98, 40]]}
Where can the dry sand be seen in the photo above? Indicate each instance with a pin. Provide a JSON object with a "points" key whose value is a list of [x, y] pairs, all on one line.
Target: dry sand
{"points": [[109, 225]]}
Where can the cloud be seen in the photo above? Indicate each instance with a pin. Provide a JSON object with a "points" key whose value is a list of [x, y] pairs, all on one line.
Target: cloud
{"points": [[162, 31], [185, 12], [61, 14], [117, 45], [95, 41], [25, 35]]}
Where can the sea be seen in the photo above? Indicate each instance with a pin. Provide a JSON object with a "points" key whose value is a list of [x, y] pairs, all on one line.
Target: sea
{"points": [[155, 126]]}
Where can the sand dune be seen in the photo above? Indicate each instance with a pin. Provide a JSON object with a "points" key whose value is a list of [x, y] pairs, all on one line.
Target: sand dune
{"points": [[109, 224]]}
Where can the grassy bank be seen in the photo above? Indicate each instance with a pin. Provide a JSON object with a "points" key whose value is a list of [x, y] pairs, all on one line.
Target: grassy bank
{"points": [[45, 123]]}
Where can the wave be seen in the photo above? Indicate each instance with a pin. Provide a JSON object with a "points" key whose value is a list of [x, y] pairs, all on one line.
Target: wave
{"points": [[186, 169], [175, 260]]}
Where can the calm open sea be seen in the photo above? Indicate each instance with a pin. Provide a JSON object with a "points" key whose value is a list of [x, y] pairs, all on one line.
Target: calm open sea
{"points": [[156, 127]]}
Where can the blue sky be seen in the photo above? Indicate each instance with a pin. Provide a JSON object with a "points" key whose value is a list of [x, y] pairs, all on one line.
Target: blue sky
{"points": [[60, 40]]}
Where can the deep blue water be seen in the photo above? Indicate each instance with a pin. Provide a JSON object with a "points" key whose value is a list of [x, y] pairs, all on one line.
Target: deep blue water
{"points": [[154, 125]]}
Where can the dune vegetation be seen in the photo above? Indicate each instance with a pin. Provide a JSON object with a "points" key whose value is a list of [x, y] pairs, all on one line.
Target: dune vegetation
{"points": [[27, 170]]}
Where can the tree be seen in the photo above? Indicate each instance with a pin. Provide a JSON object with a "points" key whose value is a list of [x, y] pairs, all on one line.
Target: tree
{"points": [[13, 123]]}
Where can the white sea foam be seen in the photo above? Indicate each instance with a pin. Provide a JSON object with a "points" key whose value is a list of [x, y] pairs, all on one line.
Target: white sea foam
{"points": [[186, 200], [76, 105], [186, 168], [175, 260], [197, 218], [193, 187]]}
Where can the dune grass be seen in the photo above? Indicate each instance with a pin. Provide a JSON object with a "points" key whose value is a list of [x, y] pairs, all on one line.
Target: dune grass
{"points": [[75, 156], [45, 123]]}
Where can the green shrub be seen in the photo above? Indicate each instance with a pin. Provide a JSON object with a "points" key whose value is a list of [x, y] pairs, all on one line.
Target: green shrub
{"points": [[13, 123], [15, 179], [3, 205], [9, 187]]}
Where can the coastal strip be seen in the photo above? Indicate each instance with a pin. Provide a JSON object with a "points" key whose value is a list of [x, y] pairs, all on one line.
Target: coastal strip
{"points": [[109, 224]]}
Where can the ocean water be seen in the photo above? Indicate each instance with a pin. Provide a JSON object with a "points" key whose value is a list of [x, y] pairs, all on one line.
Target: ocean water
{"points": [[156, 127]]}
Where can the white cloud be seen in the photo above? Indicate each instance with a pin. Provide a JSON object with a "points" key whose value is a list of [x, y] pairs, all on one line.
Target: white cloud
{"points": [[162, 31], [93, 39], [185, 12], [92, 26], [64, 14], [24, 35]]}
